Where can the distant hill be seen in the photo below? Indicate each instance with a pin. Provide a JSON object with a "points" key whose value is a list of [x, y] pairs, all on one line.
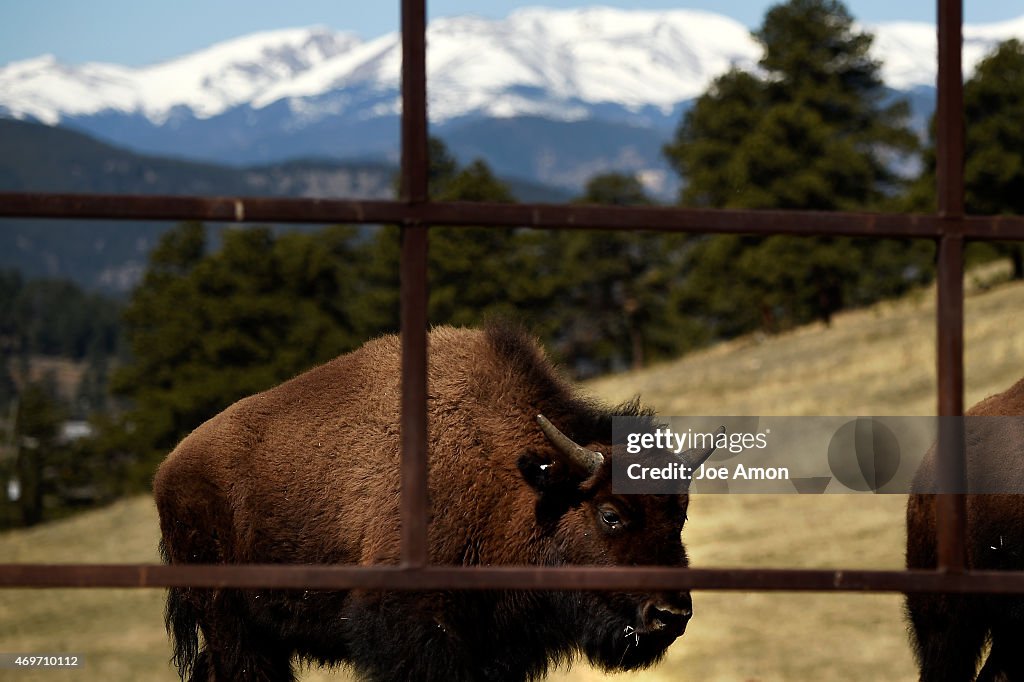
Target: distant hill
{"points": [[566, 153], [54, 159], [111, 255]]}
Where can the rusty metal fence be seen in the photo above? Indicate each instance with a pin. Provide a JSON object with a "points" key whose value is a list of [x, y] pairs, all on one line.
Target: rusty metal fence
{"points": [[415, 213]]}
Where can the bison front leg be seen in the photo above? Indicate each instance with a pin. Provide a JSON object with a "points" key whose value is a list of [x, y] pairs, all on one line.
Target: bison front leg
{"points": [[1005, 661], [400, 637], [948, 637], [234, 650]]}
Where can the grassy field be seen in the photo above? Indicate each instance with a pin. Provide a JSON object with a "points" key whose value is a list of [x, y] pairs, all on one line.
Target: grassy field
{"points": [[874, 361]]}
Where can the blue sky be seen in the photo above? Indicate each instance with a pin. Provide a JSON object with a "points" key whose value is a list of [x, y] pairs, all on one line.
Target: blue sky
{"points": [[140, 32]]}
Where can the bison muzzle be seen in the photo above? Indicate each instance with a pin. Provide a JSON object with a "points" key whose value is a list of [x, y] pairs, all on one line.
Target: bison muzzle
{"points": [[520, 473]]}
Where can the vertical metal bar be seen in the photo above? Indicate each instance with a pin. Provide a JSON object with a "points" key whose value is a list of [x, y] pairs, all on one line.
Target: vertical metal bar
{"points": [[950, 509], [949, 111], [415, 505], [414, 499], [950, 326], [414, 101]]}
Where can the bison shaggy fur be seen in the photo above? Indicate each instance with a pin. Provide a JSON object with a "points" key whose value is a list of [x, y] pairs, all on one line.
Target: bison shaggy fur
{"points": [[308, 473]]}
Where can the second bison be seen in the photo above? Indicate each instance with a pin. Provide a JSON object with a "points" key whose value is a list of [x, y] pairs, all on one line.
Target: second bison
{"points": [[950, 631]]}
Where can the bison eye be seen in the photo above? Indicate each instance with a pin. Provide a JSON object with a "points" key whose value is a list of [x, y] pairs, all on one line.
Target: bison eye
{"points": [[611, 518]]}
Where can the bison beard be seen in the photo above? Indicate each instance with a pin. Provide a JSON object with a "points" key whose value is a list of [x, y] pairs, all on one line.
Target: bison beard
{"points": [[950, 630], [308, 472]]}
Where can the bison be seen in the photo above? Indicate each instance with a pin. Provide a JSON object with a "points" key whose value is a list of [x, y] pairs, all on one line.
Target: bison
{"points": [[949, 631], [308, 473]]}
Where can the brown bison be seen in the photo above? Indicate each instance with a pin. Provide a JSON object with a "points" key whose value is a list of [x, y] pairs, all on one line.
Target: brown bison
{"points": [[949, 630], [308, 472]]}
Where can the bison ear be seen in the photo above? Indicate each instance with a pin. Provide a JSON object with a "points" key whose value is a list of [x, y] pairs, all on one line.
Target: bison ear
{"points": [[541, 472]]}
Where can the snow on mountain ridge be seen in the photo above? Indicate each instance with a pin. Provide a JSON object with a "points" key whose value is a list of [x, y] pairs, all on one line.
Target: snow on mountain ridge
{"points": [[361, 64], [545, 62], [46, 89], [234, 72], [537, 60], [909, 50], [207, 82]]}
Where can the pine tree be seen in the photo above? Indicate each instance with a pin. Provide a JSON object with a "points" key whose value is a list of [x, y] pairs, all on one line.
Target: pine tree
{"points": [[37, 427], [469, 272], [612, 288], [812, 131], [994, 144], [469, 268], [209, 327], [994, 149]]}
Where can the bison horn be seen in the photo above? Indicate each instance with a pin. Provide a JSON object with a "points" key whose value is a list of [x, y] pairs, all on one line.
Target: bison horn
{"points": [[694, 457], [586, 460]]}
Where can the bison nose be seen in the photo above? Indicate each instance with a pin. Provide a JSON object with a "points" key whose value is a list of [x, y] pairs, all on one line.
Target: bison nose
{"points": [[668, 614]]}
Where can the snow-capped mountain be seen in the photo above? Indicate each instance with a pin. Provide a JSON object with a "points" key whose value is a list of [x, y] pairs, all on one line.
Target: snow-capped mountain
{"points": [[314, 91], [537, 61], [908, 51], [533, 62], [207, 82], [550, 63]]}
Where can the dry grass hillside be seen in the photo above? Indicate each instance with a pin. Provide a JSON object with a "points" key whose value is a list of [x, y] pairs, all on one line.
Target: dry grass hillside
{"points": [[874, 361]]}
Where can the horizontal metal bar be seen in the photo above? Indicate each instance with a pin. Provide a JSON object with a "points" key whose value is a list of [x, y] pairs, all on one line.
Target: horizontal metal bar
{"points": [[546, 216], [679, 219], [993, 227], [278, 576], [216, 209]]}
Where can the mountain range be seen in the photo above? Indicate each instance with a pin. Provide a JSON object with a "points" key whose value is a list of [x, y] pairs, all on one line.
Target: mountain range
{"points": [[546, 94]]}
